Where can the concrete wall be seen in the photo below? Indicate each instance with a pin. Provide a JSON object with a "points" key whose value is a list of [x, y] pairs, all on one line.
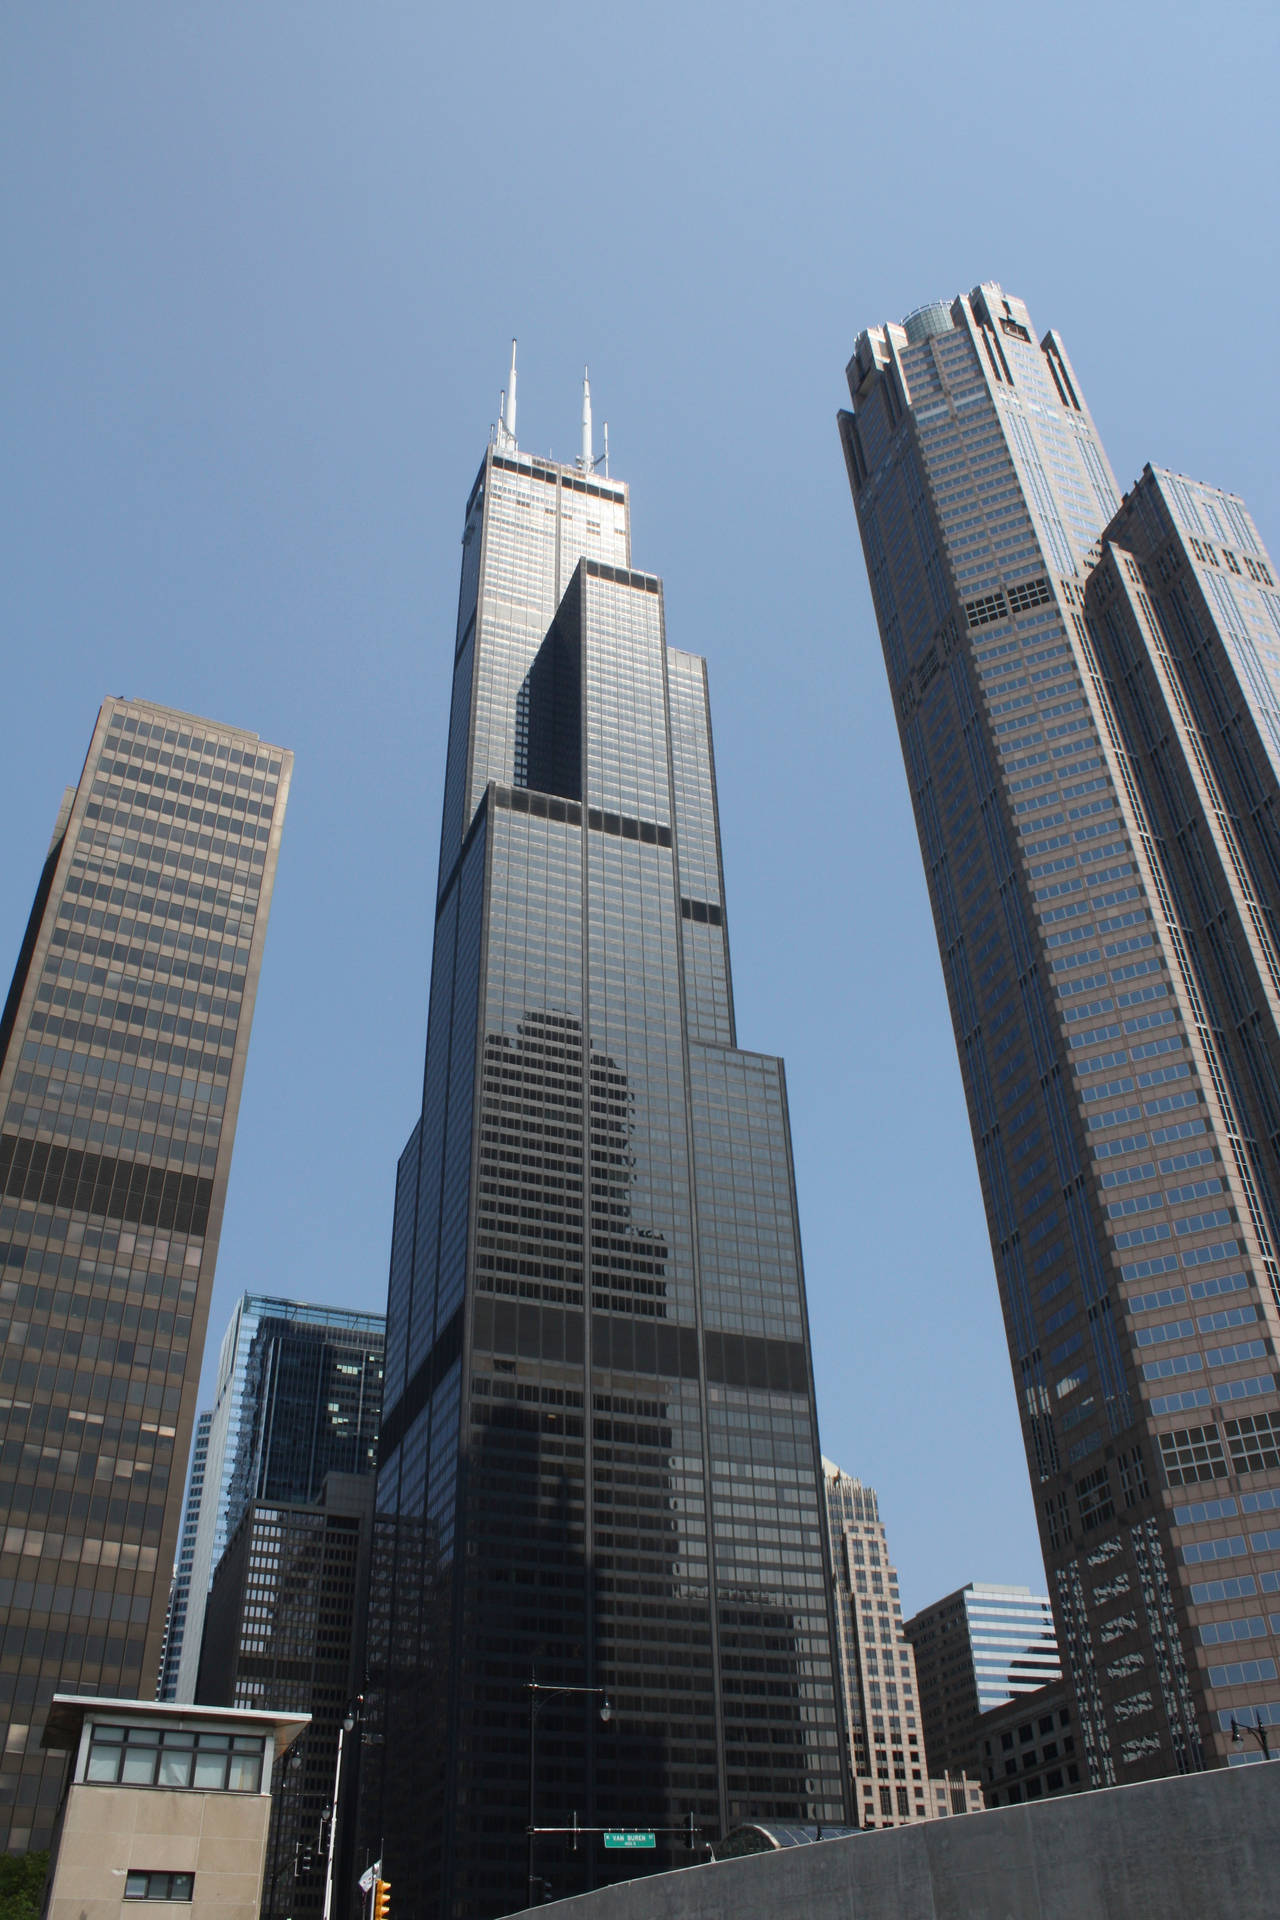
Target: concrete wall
{"points": [[1194, 1848], [220, 1837]]}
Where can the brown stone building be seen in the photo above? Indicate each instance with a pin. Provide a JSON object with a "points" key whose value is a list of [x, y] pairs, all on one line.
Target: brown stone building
{"points": [[122, 1053]]}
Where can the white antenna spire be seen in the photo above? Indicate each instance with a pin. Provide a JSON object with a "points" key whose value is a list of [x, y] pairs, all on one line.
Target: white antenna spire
{"points": [[606, 449], [586, 460], [509, 419], [506, 434]]}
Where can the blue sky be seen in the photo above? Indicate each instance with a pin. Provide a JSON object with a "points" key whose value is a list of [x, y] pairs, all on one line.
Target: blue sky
{"points": [[263, 263]]}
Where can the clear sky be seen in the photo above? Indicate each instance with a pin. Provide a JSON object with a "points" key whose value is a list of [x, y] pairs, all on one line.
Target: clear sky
{"points": [[262, 266]]}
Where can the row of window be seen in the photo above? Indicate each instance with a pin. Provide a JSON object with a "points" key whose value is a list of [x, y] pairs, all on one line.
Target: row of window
{"points": [[174, 1757]]}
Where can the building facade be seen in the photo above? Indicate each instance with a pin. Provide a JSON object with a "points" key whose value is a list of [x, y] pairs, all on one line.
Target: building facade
{"points": [[599, 1456], [1087, 694], [298, 1396], [122, 1053], [889, 1763], [977, 1648], [180, 1587], [1028, 1749], [284, 1630]]}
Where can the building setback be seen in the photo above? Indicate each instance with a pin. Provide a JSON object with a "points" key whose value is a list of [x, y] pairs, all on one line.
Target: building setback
{"points": [[1088, 696], [122, 1052], [298, 1396], [976, 1649], [599, 1454], [888, 1762], [180, 1587]]}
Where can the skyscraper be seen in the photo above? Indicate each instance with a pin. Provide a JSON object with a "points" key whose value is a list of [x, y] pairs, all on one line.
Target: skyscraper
{"points": [[1088, 697], [890, 1766], [298, 1395], [976, 1649], [122, 1052], [180, 1589], [599, 1456], [285, 1628]]}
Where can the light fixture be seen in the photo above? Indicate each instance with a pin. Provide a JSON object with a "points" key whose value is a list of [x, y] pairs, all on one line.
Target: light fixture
{"points": [[606, 1711]]}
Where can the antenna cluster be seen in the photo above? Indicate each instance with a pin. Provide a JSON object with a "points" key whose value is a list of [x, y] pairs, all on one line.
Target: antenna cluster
{"points": [[504, 434]]}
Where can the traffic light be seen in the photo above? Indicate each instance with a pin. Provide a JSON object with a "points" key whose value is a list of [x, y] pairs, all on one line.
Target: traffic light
{"points": [[382, 1900]]}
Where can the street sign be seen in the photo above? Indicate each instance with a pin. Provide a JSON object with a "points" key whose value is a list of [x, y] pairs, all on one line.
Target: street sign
{"points": [[630, 1840]]}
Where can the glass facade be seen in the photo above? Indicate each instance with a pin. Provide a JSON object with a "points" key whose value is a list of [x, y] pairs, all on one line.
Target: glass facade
{"points": [[180, 1590], [284, 1630], [298, 1396], [122, 1052], [981, 1646], [1088, 697], [599, 1456]]}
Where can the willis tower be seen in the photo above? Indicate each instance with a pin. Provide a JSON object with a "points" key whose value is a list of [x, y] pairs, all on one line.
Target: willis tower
{"points": [[599, 1457]]}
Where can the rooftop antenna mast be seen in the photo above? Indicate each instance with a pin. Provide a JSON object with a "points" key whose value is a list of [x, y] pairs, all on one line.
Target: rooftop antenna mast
{"points": [[506, 435], [586, 459]]}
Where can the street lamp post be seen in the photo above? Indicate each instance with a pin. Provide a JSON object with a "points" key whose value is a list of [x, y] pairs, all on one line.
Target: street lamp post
{"points": [[348, 1724], [1258, 1731], [537, 1693]]}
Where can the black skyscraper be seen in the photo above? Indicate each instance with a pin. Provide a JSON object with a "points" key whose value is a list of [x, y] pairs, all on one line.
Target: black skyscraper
{"points": [[599, 1454]]}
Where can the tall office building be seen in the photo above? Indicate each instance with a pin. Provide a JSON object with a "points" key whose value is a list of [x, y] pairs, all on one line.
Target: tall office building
{"points": [[180, 1587], [975, 1650], [599, 1456], [1088, 696], [298, 1396], [122, 1052], [888, 1762], [285, 1628]]}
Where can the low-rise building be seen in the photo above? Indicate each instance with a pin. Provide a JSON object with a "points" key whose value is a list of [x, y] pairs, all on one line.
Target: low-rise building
{"points": [[162, 1803]]}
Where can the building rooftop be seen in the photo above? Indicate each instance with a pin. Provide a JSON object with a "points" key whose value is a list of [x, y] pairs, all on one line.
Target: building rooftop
{"points": [[68, 1711]]}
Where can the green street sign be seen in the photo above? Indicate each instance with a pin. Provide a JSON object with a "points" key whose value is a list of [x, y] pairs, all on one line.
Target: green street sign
{"points": [[630, 1840]]}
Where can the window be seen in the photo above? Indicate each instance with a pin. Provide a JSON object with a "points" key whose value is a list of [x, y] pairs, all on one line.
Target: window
{"points": [[1254, 1442], [174, 1757], [1030, 593], [1192, 1453], [158, 1886], [1093, 1497], [986, 608]]}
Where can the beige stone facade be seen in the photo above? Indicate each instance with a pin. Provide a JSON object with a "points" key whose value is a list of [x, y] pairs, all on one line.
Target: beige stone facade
{"points": [[888, 1764], [186, 1852]]}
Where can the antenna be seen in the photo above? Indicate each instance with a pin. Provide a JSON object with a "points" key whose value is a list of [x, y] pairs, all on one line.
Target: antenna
{"points": [[586, 459], [606, 449], [506, 433], [509, 421]]}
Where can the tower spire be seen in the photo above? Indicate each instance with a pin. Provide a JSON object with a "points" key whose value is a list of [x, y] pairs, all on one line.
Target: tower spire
{"points": [[586, 459], [510, 422], [506, 434]]}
